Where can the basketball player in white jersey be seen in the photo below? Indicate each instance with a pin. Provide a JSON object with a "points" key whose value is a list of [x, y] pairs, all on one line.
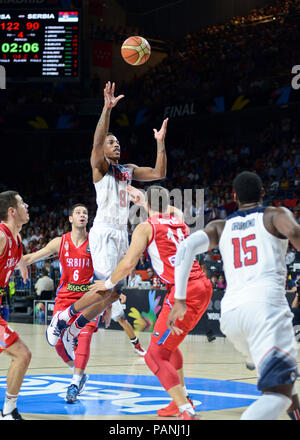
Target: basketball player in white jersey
{"points": [[255, 315], [108, 236]]}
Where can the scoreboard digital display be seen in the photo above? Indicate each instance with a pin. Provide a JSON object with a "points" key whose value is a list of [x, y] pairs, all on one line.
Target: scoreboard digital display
{"points": [[40, 45]]}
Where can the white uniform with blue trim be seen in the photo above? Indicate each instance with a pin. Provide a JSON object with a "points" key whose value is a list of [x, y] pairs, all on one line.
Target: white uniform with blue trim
{"points": [[255, 314]]}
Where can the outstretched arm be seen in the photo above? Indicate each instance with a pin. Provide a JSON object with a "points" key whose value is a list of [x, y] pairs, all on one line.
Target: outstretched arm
{"points": [[97, 159], [285, 223], [197, 243], [147, 174], [139, 241]]}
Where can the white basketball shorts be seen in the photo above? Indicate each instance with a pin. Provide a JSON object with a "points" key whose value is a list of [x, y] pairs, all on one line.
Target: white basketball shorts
{"points": [[117, 311], [263, 332], [108, 246]]}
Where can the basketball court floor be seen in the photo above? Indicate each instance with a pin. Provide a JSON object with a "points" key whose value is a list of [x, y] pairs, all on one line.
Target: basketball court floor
{"points": [[120, 385]]}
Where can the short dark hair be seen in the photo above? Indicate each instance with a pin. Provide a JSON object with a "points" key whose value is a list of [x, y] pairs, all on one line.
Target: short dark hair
{"points": [[248, 187], [72, 209], [44, 271], [7, 200], [158, 198]]}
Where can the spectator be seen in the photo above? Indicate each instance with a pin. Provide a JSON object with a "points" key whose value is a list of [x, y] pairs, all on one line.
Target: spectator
{"points": [[45, 283], [221, 282], [134, 279], [214, 280]]}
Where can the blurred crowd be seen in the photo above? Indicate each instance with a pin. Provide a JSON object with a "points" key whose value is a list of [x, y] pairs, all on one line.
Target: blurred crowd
{"points": [[247, 55], [250, 55]]}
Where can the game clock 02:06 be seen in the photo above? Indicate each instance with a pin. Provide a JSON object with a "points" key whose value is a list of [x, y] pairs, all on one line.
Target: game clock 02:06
{"points": [[18, 48]]}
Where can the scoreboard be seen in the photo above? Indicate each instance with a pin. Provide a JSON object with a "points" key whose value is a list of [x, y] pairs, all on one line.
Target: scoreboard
{"points": [[40, 45]]}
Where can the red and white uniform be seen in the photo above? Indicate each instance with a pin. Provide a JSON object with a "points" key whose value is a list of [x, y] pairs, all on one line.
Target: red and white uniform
{"points": [[10, 257], [76, 270], [76, 274], [168, 232]]}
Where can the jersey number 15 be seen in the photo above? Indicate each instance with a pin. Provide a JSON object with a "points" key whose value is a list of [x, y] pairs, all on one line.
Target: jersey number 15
{"points": [[250, 252]]}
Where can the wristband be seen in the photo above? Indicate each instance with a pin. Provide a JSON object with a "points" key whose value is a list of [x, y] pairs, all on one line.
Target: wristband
{"points": [[108, 284]]}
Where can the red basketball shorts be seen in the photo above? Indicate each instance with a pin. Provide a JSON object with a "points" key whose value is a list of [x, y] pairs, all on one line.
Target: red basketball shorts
{"points": [[199, 293], [7, 335]]}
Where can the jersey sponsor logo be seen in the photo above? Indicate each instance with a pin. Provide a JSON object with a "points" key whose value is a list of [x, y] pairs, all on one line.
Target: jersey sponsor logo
{"points": [[2, 291], [78, 287], [125, 395]]}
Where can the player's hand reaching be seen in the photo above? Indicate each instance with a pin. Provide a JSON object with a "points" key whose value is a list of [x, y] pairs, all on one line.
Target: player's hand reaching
{"points": [[136, 196], [98, 286], [161, 134], [106, 317], [23, 269], [110, 100], [178, 311]]}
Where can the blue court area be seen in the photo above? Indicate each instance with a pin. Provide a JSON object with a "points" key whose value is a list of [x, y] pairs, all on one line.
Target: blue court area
{"points": [[124, 395]]}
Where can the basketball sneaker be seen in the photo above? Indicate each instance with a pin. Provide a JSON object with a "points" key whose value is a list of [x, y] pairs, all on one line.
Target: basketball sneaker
{"points": [[172, 409], [69, 342], [139, 349], [14, 415], [187, 416], [72, 393], [55, 329]]}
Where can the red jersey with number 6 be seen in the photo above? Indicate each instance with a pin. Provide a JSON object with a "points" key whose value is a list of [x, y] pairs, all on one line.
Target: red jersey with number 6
{"points": [[76, 269], [10, 257], [168, 232]]}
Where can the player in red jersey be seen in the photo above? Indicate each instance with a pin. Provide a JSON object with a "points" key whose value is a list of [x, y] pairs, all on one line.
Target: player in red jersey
{"points": [[13, 215], [160, 236], [76, 275]]}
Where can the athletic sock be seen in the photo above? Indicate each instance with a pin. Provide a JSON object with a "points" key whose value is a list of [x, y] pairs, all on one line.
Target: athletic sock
{"points": [[187, 407], [134, 341], [76, 379], [10, 403], [185, 391], [270, 406], [78, 325], [67, 314]]}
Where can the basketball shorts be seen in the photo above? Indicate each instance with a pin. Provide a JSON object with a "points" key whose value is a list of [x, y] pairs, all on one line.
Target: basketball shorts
{"points": [[263, 333], [117, 311], [198, 297], [7, 335], [108, 246]]}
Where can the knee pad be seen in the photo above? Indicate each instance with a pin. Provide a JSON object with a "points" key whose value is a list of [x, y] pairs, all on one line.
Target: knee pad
{"points": [[151, 362], [60, 350], [82, 353], [158, 360], [177, 359]]}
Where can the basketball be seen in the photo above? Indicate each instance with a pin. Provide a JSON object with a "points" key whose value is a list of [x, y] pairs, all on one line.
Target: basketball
{"points": [[136, 50]]}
